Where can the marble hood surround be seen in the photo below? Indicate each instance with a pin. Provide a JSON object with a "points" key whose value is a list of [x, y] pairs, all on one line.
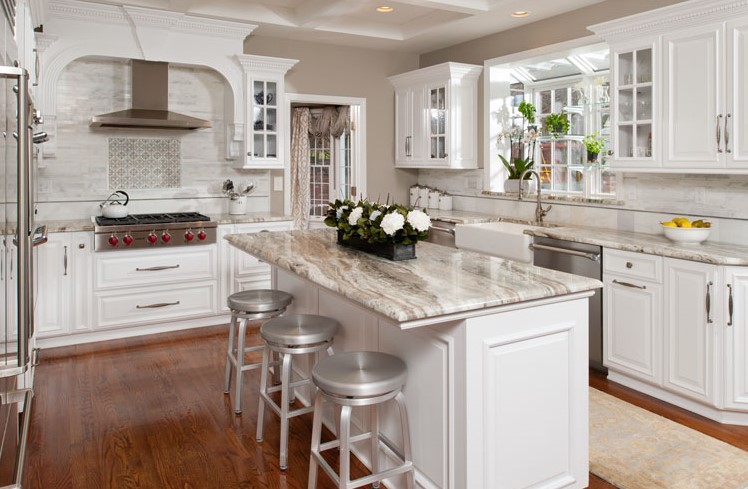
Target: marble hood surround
{"points": [[74, 29]]}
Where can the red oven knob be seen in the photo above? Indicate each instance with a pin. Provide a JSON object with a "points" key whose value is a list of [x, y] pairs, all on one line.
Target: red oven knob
{"points": [[166, 237], [152, 238], [201, 235], [113, 240], [127, 240], [189, 236]]}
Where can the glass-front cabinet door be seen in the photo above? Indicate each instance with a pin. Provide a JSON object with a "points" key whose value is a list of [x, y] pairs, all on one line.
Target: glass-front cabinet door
{"points": [[634, 110], [264, 128], [437, 100]]}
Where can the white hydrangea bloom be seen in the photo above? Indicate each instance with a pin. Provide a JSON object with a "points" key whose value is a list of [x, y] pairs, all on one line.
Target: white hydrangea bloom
{"points": [[392, 223], [355, 215], [375, 214], [339, 212], [419, 220]]}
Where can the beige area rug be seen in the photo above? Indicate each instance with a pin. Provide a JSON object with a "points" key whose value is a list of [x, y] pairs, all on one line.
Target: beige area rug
{"points": [[633, 448]]}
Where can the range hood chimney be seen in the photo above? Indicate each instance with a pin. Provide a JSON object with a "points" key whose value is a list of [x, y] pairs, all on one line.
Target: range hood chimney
{"points": [[150, 102]]}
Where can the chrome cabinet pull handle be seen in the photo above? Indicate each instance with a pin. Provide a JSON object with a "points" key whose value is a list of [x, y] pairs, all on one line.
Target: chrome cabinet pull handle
{"points": [[158, 304], [719, 133], [729, 305], [407, 145], [156, 269], [65, 261], [709, 303], [627, 284], [727, 134]]}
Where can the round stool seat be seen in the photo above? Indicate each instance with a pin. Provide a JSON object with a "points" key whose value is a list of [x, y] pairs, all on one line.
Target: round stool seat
{"points": [[260, 300], [360, 374], [299, 330]]}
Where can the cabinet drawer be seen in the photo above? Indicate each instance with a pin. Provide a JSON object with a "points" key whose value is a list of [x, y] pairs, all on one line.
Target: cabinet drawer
{"points": [[154, 267], [155, 304], [637, 265]]}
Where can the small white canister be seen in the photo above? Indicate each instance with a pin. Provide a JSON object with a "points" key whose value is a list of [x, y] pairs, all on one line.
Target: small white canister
{"points": [[414, 195], [445, 202], [238, 205], [423, 197], [434, 199]]}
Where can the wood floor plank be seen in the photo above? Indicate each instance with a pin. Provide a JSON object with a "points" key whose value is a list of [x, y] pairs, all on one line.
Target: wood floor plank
{"points": [[149, 412]]}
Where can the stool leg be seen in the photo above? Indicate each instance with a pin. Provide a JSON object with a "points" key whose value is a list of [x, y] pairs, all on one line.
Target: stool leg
{"points": [[345, 447], [263, 391], [285, 381], [374, 421], [239, 364], [316, 435], [229, 353], [407, 455]]}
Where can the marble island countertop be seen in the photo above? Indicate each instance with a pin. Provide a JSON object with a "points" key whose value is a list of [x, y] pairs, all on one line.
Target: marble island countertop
{"points": [[706, 252], [440, 281]]}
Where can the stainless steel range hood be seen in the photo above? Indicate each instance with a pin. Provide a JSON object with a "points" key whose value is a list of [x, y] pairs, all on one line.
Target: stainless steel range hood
{"points": [[150, 102]]}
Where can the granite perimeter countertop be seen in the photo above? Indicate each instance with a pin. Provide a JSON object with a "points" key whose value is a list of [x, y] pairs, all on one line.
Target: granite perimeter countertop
{"points": [[460, 217], [439, 281], [706, 252]]}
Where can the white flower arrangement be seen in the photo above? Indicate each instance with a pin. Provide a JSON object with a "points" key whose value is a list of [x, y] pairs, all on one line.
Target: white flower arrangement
{"points": [[376, 223]]}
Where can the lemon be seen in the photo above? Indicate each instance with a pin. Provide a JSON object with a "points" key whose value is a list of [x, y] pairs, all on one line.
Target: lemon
{"points": [[685, 224], [669, 224]]}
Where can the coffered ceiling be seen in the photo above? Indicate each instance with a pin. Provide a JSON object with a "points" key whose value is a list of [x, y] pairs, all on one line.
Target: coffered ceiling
{"points": [[413, 26]]}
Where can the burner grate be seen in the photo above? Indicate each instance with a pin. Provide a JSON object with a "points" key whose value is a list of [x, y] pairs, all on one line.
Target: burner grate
{"points": [[139, 219]]}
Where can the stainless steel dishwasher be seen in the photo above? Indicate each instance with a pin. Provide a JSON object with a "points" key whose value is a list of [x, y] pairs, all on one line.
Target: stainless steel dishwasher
{"points": [[579, 259]]}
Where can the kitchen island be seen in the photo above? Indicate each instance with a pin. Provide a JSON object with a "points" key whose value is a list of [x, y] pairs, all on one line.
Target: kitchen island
{"points": [[496, 353]]}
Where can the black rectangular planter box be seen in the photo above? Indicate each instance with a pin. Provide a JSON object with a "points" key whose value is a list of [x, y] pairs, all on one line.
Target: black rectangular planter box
{"points": [[391, 251]]}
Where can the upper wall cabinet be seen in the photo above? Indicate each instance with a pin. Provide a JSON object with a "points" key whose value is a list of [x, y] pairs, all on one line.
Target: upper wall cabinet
{"points": [[267, 131], [679, 81], [436, 117]]}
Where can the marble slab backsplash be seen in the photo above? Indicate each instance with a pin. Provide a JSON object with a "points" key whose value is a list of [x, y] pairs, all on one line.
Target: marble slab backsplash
{"points": [[647, 199], [80, 174]]}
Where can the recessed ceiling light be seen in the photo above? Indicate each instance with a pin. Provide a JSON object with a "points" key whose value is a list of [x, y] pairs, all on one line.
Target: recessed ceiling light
{"points": [[520, 13], [385, 9]]}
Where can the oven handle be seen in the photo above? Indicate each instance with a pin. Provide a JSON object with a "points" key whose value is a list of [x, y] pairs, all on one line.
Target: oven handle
{"points": [[158, 268], [158, 304]]}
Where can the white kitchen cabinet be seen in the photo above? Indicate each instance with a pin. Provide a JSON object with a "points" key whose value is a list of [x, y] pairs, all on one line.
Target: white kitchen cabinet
{"points": [[267, 131], [736, 338], [239, 270], [699, 78], [64, 284], [635, 113], [633, 314], [436, 117], [692, 319]]}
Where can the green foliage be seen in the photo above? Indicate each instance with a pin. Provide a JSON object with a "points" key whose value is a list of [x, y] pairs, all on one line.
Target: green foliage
{"points": [[516, 167], [557, 124], [528, 111], [594, 143], [368, 226]]}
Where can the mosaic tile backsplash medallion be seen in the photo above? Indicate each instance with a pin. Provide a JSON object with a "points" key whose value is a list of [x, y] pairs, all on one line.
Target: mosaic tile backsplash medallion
{"points": [[144, 163]]}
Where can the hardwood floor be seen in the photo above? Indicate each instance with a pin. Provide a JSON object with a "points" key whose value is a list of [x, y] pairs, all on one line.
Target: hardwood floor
{"points": [[150, 412]]}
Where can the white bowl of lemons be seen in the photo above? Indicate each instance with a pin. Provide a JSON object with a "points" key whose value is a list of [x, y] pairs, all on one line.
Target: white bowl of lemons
{"points": [[682, 231]]}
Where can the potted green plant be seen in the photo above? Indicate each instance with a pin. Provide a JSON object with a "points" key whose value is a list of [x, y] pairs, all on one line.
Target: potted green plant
{"points": [[557, 124], [594, 144], [521, 143]]}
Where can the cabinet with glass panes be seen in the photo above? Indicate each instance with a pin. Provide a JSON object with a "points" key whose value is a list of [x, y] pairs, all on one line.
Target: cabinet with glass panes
{"points": [[266, 131]]}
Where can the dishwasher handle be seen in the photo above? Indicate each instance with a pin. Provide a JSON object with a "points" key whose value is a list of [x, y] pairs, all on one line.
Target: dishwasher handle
{"points": [[590, 256]]}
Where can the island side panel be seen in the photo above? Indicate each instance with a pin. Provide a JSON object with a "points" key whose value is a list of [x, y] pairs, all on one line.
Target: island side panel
{"points": [[527, 398]]}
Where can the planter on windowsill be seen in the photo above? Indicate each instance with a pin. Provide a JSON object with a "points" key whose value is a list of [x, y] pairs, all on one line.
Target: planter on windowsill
{"points": [[391, 251], [512, 186]]}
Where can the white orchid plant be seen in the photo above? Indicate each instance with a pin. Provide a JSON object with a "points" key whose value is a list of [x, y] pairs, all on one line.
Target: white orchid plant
{"points": [[377, 223]]}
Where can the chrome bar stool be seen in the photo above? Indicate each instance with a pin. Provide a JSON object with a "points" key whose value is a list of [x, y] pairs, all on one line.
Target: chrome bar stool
{"points": [[363, 378], [247, 306], [291, 335]]}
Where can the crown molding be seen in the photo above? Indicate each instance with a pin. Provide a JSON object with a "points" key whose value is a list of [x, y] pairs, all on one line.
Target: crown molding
{"points": [[455, 71], [662, 20], [253, 63]]}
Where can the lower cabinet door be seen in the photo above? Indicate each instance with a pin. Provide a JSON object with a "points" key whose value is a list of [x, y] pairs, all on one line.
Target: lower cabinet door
{"points": [[692, 319], [633, 328], [155, 304], [736, 338]]}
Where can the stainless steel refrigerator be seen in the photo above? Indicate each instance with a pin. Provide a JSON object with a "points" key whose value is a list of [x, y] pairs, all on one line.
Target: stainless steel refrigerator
{"points": [[17, 118]]}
